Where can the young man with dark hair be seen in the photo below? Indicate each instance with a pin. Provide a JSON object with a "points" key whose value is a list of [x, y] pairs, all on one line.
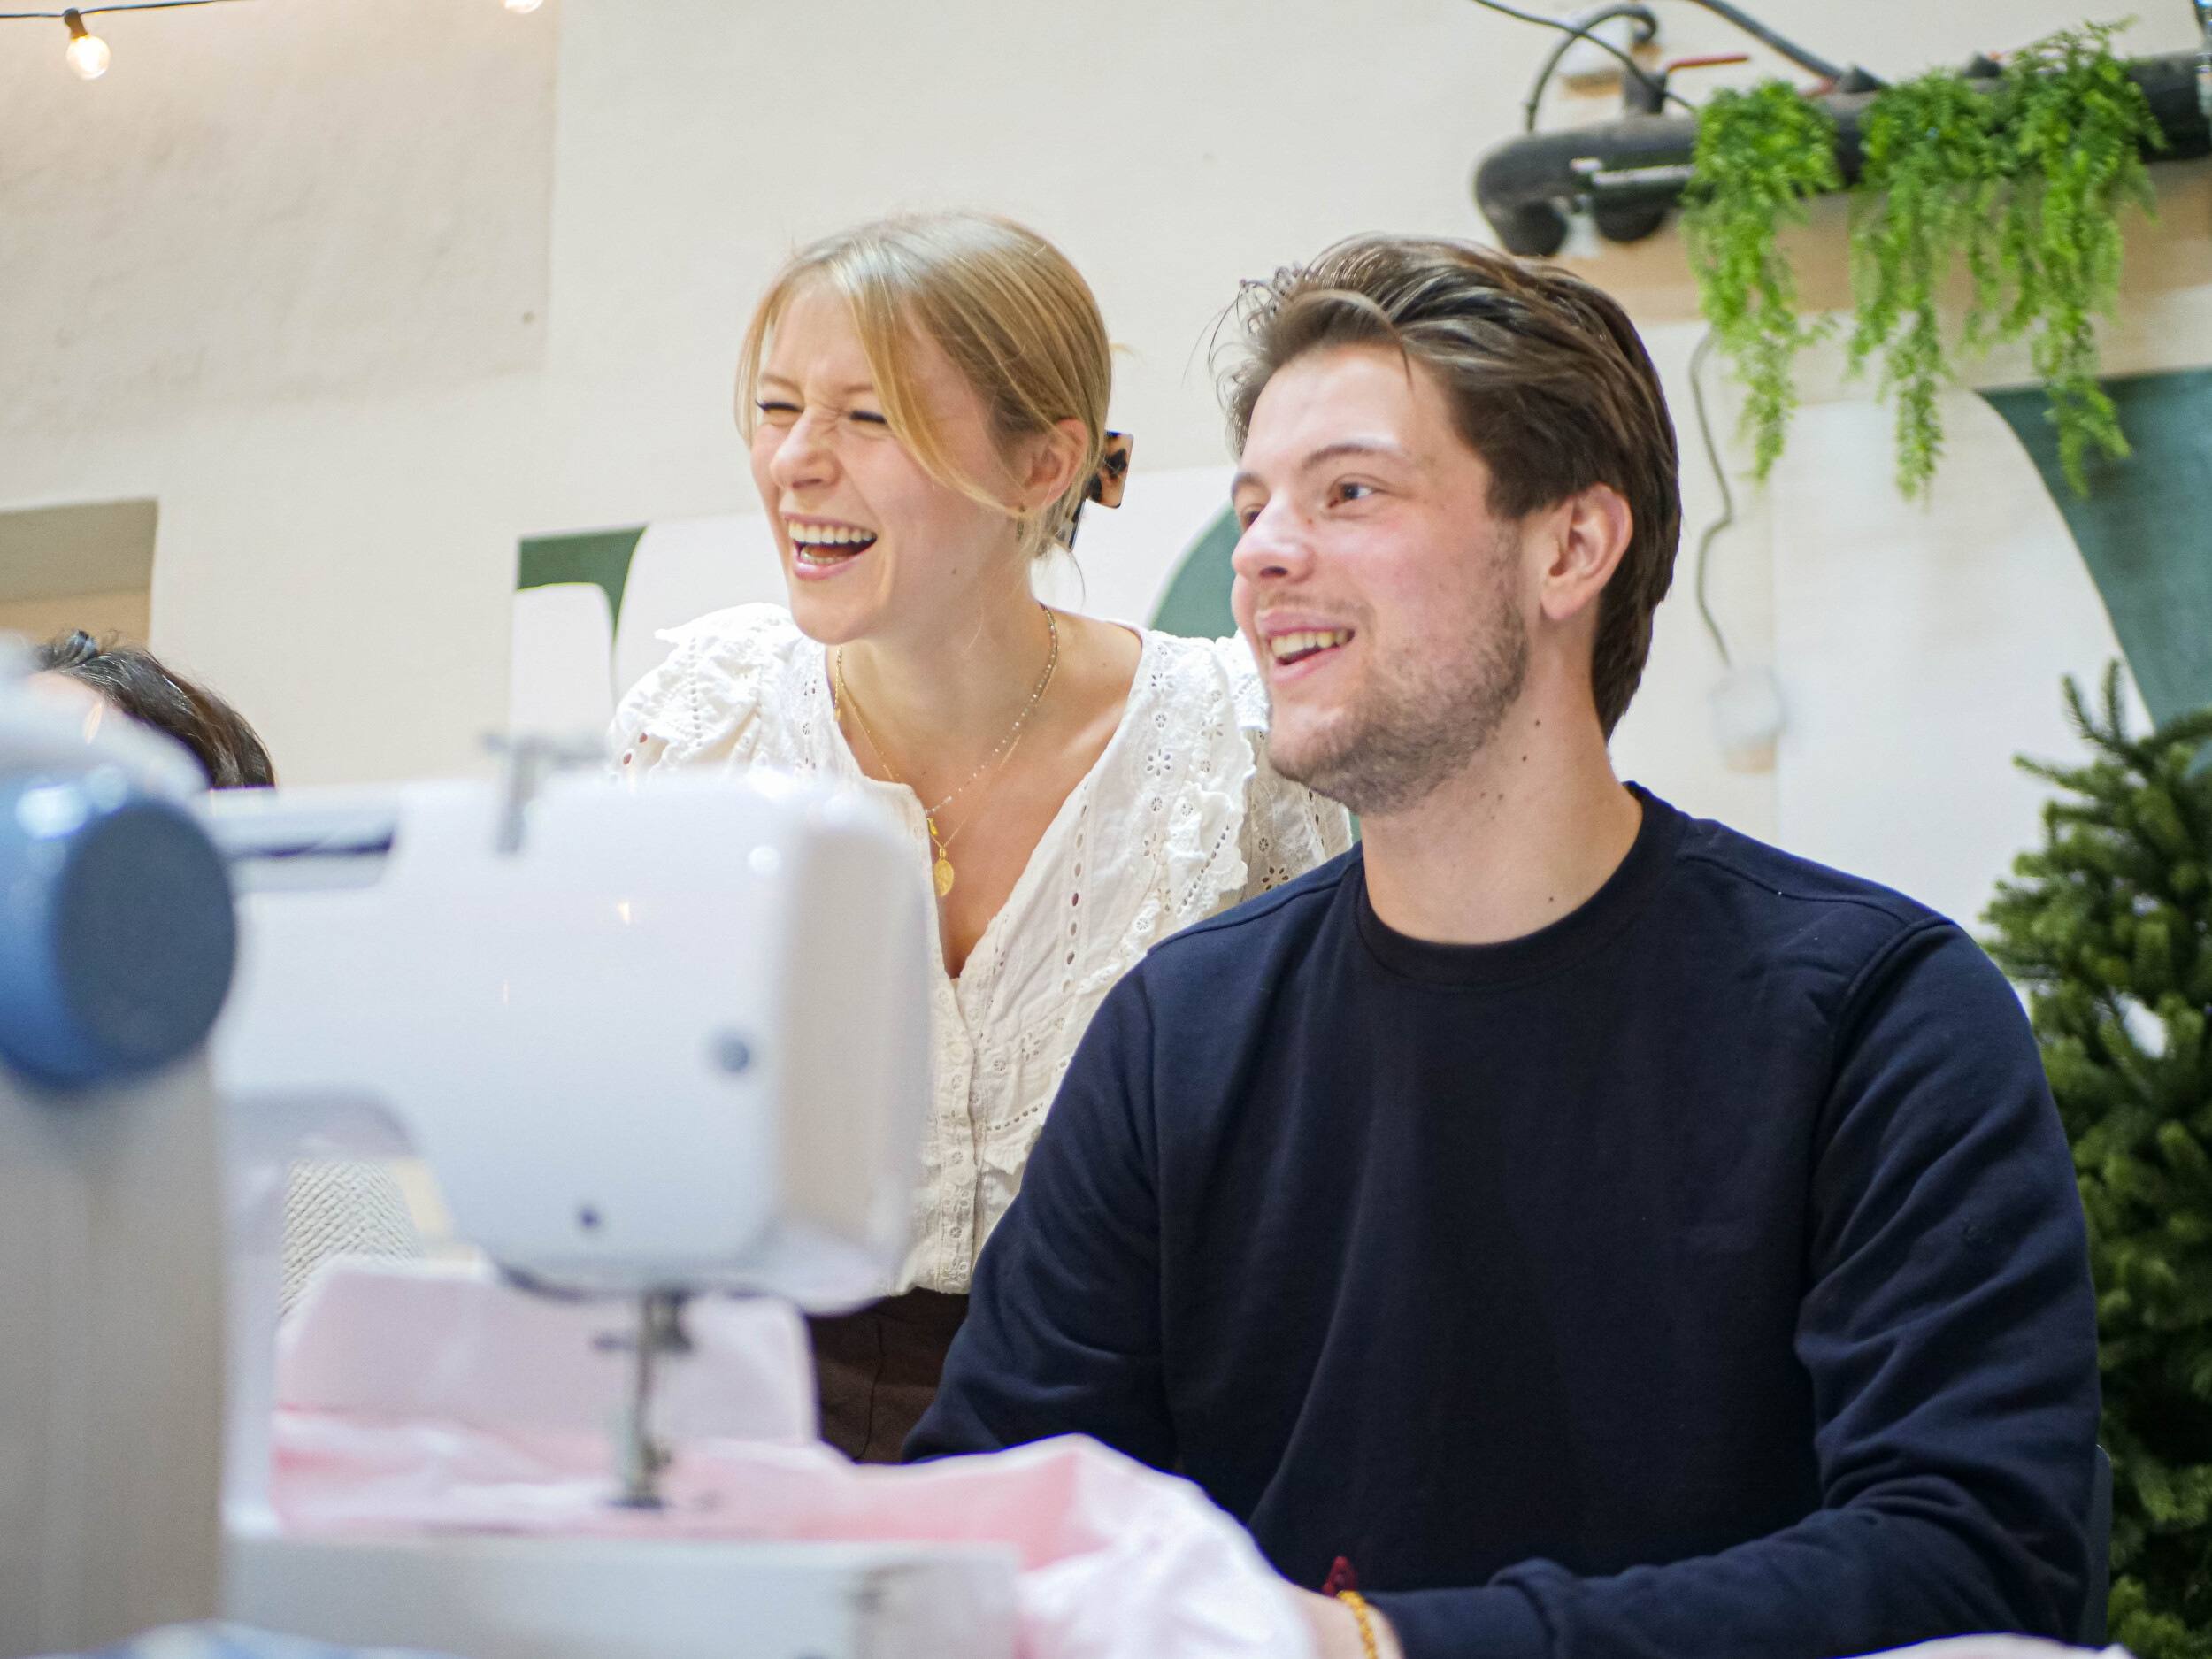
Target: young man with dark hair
{"points": [[1597, 1234]]}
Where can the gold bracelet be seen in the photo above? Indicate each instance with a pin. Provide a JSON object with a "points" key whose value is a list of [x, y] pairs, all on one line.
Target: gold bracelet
{"points": [[1357, 1602]]}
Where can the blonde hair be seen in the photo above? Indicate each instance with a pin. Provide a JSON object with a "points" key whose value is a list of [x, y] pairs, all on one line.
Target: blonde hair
{"points": [[1017, 319]]}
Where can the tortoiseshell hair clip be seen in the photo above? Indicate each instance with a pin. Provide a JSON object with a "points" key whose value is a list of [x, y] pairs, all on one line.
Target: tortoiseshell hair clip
{"points": [[1107, 482], [1113, 476]]}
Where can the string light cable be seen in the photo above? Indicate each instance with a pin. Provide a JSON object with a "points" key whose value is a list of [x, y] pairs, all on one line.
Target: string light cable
{"points": [[129, 5], [89, 54]]}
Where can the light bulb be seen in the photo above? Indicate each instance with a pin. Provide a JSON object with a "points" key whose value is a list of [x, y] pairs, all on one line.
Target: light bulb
{"points": [[88, 53], [524, 6]]}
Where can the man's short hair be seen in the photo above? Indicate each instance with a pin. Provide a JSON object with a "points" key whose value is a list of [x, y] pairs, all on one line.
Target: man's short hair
{"points": [[1547, 380]]}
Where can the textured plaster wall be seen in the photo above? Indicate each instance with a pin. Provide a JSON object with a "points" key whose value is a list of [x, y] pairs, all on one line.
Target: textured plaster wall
{"points": [[270, 203], [285, 270]]}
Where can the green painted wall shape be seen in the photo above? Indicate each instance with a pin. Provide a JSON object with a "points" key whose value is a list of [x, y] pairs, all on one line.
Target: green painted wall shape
{"points": [[1197, 603], [597, 555], [2145, 530]]}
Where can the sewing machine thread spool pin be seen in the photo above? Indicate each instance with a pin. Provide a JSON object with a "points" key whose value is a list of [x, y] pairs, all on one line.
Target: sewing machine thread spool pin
{"points": [[641, 1458], [527, 759]]}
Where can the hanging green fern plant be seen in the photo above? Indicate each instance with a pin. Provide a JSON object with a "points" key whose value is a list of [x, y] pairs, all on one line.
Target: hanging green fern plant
{"points": [[1759, 155], [1928, 196], [2075, 126], [2026, 183]]}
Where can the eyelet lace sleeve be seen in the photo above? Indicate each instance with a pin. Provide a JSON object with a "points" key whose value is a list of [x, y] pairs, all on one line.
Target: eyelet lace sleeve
{"points": [[1287, 829], [702, 704]]}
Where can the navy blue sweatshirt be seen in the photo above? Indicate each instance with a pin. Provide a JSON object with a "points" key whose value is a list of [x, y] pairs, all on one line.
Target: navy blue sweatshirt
{"points": [[1700, 1276]]}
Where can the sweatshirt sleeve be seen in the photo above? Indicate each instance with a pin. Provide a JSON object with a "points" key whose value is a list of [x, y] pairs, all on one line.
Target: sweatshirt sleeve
{"points": [[1062, 1332], [1948, 1328]]}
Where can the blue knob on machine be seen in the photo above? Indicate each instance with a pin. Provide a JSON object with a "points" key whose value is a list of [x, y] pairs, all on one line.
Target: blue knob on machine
{"points": [[117, 930]]}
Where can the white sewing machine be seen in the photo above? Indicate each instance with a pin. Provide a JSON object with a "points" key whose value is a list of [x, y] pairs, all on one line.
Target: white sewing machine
{"points": [[656, 1046]]}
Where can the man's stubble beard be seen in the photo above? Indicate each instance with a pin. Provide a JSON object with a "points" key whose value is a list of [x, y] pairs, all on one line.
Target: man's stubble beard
{"points": [[1420, 725]]}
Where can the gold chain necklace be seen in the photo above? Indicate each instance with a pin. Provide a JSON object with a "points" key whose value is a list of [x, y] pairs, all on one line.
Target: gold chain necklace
{"points": [[942, 871]]}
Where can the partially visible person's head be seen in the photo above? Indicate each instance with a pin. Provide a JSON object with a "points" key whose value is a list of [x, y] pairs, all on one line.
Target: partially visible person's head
{"points": [[1458, 472], [134, 682], [926, 400]]}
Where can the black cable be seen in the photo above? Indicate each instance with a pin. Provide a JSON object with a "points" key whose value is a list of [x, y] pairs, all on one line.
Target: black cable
{"points": [[1727, 498], [1766, 36], [1580, 33], [1634, 9], [1732, 14]]}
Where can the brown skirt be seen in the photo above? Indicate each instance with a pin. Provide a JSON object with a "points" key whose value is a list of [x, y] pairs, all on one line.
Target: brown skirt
{"points": [[877, 1369]]}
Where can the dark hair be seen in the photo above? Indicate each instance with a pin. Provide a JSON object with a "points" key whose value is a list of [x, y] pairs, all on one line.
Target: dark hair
{"points": [[1547, 380], [135, 683]]}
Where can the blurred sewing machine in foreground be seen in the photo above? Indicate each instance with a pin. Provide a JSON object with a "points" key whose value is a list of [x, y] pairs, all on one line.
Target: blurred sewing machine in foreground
{"points": [[116, 945], [657, 1048]]}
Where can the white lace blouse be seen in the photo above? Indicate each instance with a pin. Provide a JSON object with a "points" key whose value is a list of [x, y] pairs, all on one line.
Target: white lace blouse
{"points": [[1181, 816]]}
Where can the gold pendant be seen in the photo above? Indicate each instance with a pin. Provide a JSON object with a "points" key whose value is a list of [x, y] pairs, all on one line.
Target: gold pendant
{"points": [[944, 873]]}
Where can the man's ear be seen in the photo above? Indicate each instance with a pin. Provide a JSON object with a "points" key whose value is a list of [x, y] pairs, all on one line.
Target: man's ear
{"points": [[1589, 533]]}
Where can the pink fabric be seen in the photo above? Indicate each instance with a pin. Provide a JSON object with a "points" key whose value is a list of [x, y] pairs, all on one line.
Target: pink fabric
{"points": [[423, 1339], [1117, 1562], [415, 1399]]}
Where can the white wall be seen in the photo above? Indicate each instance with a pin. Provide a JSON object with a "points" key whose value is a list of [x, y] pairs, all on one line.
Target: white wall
{"points": [[1921, 650], [363, 290], [285, 269]]}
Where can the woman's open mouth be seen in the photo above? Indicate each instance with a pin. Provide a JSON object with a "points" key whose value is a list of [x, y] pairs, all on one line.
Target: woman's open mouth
{"points": [[826, 545]]}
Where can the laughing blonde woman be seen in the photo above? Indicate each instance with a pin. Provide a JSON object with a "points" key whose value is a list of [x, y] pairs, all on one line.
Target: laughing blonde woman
{"points": [[926, 400]]}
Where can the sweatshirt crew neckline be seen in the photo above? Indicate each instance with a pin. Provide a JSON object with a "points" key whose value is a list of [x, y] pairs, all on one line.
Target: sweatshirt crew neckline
{"points": [[1582, 931]]}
